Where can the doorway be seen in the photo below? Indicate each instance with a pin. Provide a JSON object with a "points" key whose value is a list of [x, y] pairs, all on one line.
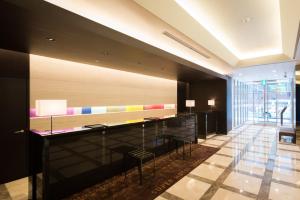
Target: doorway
{"points": [[263, 102], [14, 87]]}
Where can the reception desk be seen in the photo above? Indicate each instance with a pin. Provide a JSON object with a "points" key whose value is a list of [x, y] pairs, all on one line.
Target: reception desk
{"points": [[67, 161]]}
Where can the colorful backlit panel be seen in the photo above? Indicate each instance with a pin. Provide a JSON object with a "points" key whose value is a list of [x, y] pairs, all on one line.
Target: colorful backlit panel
{"points": [[116, 109], [70, 111], [169, 106], [153, 107], [134, 108], [32, 112], [99, 110], [77, 110], [86, 110]]}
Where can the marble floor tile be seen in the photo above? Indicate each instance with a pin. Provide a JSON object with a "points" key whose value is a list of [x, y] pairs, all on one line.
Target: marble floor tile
{"points": [[210, 135], [240, 141], [243, 182], [289, 176], [264, 150], [262, 143], [200, 140], [229, 152], [289, 154], [18, 189], [189, 188], [210, 172], [222, 137], [228, 195], [220, 160], [287, 162], [283, 192], [291, 147], [244, 137], [259, 157], [251, 167], [210, 145], [235, 145], [214, 142], [160, 198]]}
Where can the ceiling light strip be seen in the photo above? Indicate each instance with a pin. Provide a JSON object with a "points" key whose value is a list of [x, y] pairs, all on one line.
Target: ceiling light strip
{"points": [[173, 37]]}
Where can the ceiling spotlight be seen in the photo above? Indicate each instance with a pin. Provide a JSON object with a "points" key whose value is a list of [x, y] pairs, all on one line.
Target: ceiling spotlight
{"points": [[246, 20], [274, 71], [50, 39]]}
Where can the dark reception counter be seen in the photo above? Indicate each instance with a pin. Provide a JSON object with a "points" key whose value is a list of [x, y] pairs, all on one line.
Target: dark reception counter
{"points": [[70, 160]]}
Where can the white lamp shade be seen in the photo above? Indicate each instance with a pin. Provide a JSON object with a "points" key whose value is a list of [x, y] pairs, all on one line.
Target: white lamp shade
{"points": [[190, 103], [211, 102], [51, 107]]}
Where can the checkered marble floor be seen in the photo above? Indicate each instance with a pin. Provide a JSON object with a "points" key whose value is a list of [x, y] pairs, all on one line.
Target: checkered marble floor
{"points": [[250, 164]]}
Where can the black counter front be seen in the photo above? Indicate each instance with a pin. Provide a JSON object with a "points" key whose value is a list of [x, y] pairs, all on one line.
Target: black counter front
{"points": [[67, 161]]}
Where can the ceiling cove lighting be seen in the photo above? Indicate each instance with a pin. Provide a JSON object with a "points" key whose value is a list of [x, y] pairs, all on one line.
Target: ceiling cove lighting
{"points": [[202, 17]]}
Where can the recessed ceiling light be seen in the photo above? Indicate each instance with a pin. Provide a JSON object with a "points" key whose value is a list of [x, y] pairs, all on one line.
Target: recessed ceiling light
{"points": [[246, 20], [274, 71], [50, 39]]}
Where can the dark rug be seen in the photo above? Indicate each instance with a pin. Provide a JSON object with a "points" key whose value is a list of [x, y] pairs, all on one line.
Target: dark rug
{"points": [[169, 170]]}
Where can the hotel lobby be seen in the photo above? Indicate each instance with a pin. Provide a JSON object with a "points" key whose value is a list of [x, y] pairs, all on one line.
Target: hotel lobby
{"points": [[143, 99]]}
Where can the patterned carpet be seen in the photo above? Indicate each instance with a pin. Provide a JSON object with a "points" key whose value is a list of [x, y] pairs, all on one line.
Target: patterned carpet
{"points": [[169, 169]]}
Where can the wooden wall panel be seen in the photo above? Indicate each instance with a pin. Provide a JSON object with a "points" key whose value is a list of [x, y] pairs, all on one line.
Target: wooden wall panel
{"points": [[87, 85], [202, 91]]}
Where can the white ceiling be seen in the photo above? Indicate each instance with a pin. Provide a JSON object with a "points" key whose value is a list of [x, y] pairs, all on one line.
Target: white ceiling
{"points": [[290, 19], [271, 28], [277, 71], [247, 28]]}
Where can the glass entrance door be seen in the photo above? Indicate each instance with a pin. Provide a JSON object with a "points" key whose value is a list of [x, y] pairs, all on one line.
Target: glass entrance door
{"points": [[269, 99], [263, 101]]}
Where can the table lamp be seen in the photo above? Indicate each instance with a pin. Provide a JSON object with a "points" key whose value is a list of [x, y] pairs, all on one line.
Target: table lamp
{"points": [[50, 108], [190, 104], [211, 103]]}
